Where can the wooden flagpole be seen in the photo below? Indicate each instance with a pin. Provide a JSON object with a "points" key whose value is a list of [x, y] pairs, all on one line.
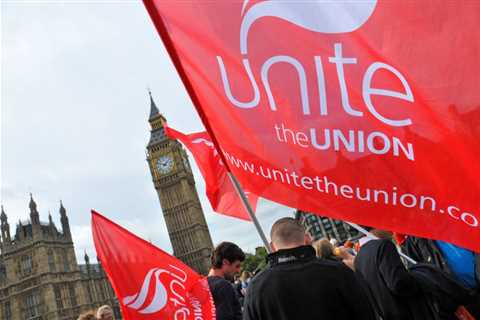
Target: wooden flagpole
{"points": [[250, 211]]}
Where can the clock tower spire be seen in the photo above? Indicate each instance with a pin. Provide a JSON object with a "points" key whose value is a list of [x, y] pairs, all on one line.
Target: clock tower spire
{"points": [[175, 185]]}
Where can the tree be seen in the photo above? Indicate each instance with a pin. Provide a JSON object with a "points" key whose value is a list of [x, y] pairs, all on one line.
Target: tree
{"points": [[255, 261]]}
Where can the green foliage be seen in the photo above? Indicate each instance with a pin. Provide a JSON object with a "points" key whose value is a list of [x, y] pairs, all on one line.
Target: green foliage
{"points": [[255, 261]]}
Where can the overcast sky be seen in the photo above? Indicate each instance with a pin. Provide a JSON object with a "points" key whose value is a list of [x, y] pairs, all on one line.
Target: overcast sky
{"points": [[74, 109]]}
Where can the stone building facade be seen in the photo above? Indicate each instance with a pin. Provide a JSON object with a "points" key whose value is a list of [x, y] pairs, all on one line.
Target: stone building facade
{"points": [[39, 275], [173, 180]]}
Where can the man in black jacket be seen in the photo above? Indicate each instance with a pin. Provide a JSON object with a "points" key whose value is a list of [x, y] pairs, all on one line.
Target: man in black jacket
{"points": [[396, 292], [297, 285]]}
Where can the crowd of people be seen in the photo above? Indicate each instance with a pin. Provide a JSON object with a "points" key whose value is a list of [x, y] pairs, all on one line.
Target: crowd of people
{"points": [[105, 312], [368, 279]]}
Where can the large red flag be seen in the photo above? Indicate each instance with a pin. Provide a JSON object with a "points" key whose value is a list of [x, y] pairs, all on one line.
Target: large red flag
{"points": [[367, 111], [220, 190], [149, 283]]}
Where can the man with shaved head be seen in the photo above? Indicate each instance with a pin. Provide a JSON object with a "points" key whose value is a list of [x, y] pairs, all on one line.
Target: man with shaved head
{"points": [[288, 233], [297, 285]]}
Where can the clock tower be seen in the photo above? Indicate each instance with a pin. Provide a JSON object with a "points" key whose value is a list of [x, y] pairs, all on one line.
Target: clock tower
{"points": [[173, 180]]}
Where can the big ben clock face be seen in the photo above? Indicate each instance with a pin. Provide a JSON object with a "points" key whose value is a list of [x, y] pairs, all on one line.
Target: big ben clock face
{"points": [[165, 164]]}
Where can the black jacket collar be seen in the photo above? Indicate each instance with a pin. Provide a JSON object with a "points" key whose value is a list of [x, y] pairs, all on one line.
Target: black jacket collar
{"points": [[302, 253]]}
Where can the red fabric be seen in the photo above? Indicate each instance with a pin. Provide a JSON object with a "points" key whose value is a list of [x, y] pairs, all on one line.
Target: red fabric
{"points": [[220, 190], [463, 314], [149, 283], [316, 104], [399, 238]]}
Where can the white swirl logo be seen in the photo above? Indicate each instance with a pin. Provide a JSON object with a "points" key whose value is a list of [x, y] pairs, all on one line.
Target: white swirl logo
{"points": [[210, 145], [330, 17], [204, 141], [319, 16], [327, 17], [160, 296]]}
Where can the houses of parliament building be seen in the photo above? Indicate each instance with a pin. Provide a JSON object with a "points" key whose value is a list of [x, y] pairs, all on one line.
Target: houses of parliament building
{"points": [[40, 278]]}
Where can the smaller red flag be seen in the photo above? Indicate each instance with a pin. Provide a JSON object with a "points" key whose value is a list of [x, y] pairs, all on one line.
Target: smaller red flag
{"points": [[220, 190], [149, 283], [400, 238]]}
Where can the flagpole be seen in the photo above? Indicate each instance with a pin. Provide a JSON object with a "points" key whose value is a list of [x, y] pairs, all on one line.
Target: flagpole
{"points": [[249, 209], [371, 235]]}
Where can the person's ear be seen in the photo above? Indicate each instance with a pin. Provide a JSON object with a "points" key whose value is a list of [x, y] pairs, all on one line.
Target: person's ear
{"points": [[308, 239], [225, 262], [274, 249]]}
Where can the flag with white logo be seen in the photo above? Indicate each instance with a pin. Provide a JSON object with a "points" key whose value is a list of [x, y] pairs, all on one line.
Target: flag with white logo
{"points": [[220, 190], [365, 111], [149, 283]]}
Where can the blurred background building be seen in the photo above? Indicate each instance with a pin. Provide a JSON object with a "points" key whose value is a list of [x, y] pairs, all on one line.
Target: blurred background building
{"points": [[320, 226]]}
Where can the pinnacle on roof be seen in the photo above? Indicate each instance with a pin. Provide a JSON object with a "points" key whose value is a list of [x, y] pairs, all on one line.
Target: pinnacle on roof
{"points": [[3, 215], [153, 107], [32, 204], [62, 209]]}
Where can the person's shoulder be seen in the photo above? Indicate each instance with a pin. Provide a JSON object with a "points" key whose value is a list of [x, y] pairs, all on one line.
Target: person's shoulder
{"points": [[376, 244], [380, 248], [260, 277], [219, 282], [332, 266], [386, 244]]}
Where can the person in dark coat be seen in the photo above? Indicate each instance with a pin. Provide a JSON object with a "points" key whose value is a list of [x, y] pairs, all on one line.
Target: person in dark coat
{"points": [[396, 292], [425, 251], [297, 285], [444, 291], [226, 259], [428, 251]]}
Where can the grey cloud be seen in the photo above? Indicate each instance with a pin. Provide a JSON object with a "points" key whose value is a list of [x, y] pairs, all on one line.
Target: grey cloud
{"points": [[74, 113]]}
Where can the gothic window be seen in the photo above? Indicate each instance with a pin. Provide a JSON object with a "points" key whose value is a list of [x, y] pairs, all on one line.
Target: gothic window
{"points": [[66, 266], [90, 294], [51, 261], [190, 241], [181, 219], [73, 296], [26, 264], [3, 273], [101, 291], [58, 297], [7, 311], [31, 305]]}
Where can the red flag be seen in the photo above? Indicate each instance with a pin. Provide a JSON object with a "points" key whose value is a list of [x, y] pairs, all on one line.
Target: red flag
{"points": [[220, 190], [365, 111], [400, 238], [149, 283]]}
